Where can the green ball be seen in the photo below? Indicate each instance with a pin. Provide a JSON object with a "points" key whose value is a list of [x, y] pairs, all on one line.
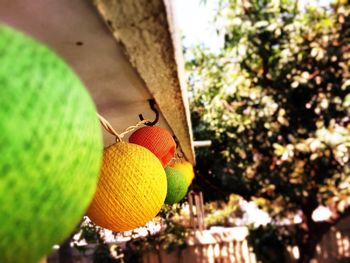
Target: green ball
{"points": [[50, 148], [177, 185]]}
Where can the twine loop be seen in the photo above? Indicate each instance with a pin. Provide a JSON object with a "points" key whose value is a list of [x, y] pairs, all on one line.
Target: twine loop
{"points": [[119, 136]]}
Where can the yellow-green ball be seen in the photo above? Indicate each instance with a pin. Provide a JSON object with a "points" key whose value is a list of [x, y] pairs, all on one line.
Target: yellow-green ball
{"points": [[186, 169], [177, 185], [131, 188], [50, 148]]}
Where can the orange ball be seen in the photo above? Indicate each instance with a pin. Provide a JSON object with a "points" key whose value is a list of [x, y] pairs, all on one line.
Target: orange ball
{"points": [[156, 139]]}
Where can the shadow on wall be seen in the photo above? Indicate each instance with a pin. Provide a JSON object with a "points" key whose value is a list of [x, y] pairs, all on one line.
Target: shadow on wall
{"points": [[335, 245]]}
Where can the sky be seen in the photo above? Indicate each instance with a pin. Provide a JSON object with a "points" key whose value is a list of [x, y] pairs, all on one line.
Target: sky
{"points": [[195, 21]]}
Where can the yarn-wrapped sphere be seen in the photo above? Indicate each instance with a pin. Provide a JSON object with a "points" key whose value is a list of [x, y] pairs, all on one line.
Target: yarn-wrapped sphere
{"points": [[177, 185], [131, 189], [186, 168], [156, 139], [50, 148]]}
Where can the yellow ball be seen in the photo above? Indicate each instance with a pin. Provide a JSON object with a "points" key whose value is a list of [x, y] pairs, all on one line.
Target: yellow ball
{"points": [[186, 169], [131, 189]]}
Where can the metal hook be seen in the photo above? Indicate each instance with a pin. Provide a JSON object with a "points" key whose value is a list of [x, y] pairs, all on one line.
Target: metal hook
{"points": [[152, 105]]}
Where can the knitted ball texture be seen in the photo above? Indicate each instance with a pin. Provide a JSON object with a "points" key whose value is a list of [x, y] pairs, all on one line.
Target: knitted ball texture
{"points": [[186, 168], [50, 148], [157, 140], [131, 188], [177, 185]]}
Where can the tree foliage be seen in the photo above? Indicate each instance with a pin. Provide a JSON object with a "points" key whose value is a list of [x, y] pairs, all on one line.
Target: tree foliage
{"points": [[275, 102]]}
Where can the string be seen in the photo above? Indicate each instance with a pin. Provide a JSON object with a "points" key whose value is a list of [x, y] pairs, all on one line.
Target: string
{"points": [[108, 127], [132, 128], [178, 158]]}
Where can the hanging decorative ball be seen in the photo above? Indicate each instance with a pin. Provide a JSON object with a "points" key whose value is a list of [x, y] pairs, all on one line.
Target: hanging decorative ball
{"points": [[157, 140], [186, 168], [131, 188], [50, 148], [177, 185]]}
